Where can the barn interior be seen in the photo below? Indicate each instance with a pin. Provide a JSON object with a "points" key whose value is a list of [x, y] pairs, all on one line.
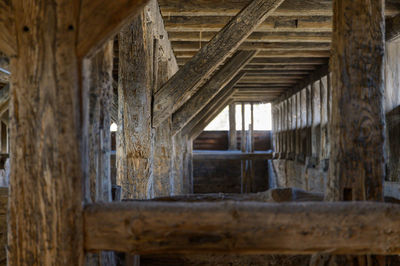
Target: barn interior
{"points": [[200, 132]]}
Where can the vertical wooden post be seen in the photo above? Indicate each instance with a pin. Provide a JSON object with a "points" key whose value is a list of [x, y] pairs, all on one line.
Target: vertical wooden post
{"points": [[45, 214], [309, 121], [324, 118], [232, 127], [99, 84], [135, 92], [316, 119], [243, 149], [285, 121], [357, 161]]}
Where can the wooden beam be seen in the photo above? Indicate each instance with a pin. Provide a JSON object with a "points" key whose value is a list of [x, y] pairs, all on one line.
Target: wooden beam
{"points": [[357, 157], [101, 19], [271, 53], [232, 7], [232, 128], [231, 155], [180, 46], [48, 130], [255, 36], [219, 101], [392, 28], [271, 24], [8, 42], [252, 227], [187, 80], [207, 92]]}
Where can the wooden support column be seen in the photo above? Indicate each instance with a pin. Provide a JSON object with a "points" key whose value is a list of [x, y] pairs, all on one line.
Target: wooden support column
{"points": [[309, 121], [291, 129], [100, 89], [357, 161], [298, 123], [315, 121], [232, 127], [324, 118], [179, 89], [284, 122], [135, 92], [45, 215], [303, 115]]}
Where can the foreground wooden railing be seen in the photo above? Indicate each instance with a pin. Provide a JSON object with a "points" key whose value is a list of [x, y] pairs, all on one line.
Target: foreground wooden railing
{"points": [[243, 227]]}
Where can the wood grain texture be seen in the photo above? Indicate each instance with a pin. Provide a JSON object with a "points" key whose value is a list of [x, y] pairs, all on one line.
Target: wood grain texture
{"points": [[135, 92], [207, 92], [187, 80], [243, 227], [392, 28], [7, 28], [232, 128], [101, 19], [232, 7], [357, 136], [45, 209]]}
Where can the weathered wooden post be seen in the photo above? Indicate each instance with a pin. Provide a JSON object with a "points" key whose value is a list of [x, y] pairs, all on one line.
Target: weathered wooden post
{"points": [[357, 128], [45, 225], [232, 127]]}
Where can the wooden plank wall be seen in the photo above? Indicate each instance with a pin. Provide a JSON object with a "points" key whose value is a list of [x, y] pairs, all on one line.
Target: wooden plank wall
{"points": [[218, 140]]}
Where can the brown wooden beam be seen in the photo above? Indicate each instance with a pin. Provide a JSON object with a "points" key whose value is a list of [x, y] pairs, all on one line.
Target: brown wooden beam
{"points": [[357, 156], [207, 92], [255, 36], [274, 53], [392, 28], [252, 227], [8, 42], [231, 155], [271, 24], [187, 80], [101, 19], [180, 46], [232, 7]]}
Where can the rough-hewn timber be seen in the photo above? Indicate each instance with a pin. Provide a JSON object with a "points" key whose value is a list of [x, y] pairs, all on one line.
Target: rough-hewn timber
{"points": [[188, 79], [244, 227], [207, 92]]}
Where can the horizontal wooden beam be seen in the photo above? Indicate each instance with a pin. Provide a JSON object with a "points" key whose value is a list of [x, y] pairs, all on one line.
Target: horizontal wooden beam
{"points": [[258, 67], [178, 89], [231, 155], [269, 54], [243, 227], [101, 19], [262, 46], [255, 36], [232, 7], [271, 24]]}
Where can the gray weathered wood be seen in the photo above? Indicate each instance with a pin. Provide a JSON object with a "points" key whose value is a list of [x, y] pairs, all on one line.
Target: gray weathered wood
{"points": [[188, 79], [135, 92], [207, 92], [243, 227]]}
